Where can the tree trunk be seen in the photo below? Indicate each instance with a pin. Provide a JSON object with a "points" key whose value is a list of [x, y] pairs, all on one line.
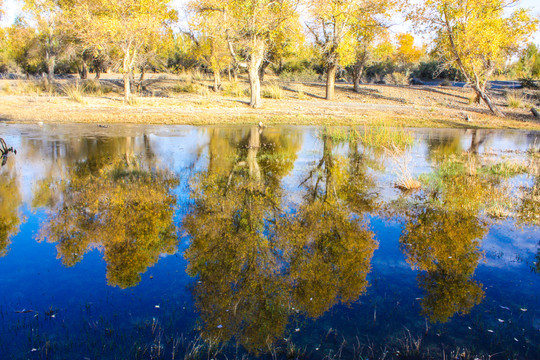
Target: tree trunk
{"points": [[329, 192], [262, 70], [51, 62], [141, 79], [128, 73], [256, 59], [217, 80], [480, 93], [132, 80], [330, 81], [83, 73], [358, 71], [127, 87]]}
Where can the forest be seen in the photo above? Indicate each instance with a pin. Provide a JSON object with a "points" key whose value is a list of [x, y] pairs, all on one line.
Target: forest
{"points": [[344, 41]]}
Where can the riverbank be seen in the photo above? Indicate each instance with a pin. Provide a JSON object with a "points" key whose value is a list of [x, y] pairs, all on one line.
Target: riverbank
{"points": [[187, 102]]}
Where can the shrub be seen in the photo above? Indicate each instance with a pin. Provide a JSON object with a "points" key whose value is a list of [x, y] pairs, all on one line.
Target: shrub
{"points": [[307, 74], [445, 82], [234, 88], [191, 87], [528, 83], [396, 78], [300, 92]]}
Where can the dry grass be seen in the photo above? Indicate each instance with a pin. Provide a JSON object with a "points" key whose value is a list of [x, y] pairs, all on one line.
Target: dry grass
{"points": [[421, 106], [515, 99], [300, 90], [74, 92], [405, 182], [396, 78], [272, 91], [384, 137], [235, 88]]}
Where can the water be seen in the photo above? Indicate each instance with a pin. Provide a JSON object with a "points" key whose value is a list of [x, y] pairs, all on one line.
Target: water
{"points": [[292, 242]]}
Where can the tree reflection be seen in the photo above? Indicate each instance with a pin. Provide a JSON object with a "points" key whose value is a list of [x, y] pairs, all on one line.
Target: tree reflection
{"points": [[116, 202], [254, 259], [330, 249], [442, 238], [10, 202], [241, 292]]}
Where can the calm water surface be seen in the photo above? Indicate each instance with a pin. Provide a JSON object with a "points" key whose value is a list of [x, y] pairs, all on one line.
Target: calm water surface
{"points": [[291, 242]]}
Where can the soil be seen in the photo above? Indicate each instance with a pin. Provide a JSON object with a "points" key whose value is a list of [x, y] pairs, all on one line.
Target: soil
{"points": [[300, 103]]}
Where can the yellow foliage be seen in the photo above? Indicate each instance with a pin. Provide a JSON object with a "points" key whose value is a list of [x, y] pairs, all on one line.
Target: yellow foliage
{"points": [[118, 206], [10, 202]]}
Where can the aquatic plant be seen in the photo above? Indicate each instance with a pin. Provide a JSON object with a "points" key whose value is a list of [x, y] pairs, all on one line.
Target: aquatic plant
{"points": [[384, 137], [505, 169], [405, 180]]}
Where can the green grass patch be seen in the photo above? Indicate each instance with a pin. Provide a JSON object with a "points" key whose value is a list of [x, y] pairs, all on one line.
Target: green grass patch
{"points": [[380, 137], [505, 169]]}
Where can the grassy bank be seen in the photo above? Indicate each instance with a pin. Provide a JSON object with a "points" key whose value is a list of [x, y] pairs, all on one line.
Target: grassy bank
{"points": [[176, 101]]}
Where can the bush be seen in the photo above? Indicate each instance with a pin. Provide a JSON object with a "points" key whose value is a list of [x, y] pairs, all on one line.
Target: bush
{"points": [[434, 69], [302, 75], [528, 83], [234, 88], [445, 82], [396, 78], [191, 87], [300, 92]]}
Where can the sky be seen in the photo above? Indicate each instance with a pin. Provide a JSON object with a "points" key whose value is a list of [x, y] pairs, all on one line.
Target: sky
{"points": [[13, 8]]}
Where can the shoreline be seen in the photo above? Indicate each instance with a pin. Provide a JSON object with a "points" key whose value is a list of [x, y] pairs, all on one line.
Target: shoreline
{"points": [[410, 110]]}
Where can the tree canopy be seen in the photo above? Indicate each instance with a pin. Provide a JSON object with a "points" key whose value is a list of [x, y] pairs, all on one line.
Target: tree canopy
{"points": [[476, 36]]}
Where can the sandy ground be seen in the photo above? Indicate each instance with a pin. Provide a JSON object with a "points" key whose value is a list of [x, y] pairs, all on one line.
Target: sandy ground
{"points": [[412, 106]]}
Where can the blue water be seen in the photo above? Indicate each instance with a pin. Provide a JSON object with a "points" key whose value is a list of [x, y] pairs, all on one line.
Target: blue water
{"points": [[194, 242]]}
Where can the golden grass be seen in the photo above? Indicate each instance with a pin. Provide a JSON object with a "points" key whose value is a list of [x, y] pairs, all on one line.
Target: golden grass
{"points": [[235, 88], [272, 91], [405, 182], [514, 99], [74, 92], [374, 106]]}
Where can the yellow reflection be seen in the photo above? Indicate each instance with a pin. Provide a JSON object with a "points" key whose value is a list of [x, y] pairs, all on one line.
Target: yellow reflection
{"points": [[114, 202]]}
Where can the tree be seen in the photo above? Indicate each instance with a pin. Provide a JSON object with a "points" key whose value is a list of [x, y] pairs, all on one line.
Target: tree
{"points": [[123, 28], [249, 26], [476, 36], [20, 48], [406, 52], [47, 15], [329, 249], [211, 44], [369, 27], [331, 27]]}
